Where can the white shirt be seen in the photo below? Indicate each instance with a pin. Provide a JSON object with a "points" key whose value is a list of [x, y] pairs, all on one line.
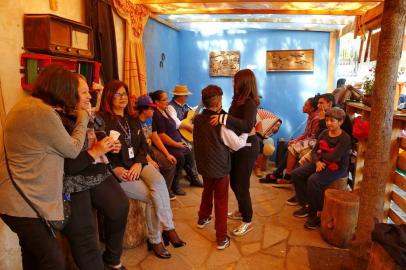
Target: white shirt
{"points": [[231, 140], [170, 110]]}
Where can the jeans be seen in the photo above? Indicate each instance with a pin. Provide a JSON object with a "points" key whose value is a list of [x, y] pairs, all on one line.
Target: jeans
{"points": [[310, 185], [166, 168], [39, 250], [111, 202], [217, 188], [152, 190]]}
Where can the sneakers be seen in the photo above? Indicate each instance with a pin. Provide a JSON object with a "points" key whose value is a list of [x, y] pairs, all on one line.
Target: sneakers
{"points": [[225, 243], [269, 179], [243, 229], [171, 196], [196, 182], [312, 223], [236, 215], [292, 201], [282, 183], [201, 223], [179, 191], [302, 212]]}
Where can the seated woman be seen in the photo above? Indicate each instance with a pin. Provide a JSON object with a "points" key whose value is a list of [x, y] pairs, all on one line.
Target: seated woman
{"points": [[330, 159], [141, 181], [158, 155], [170, 136], [90, 184]]}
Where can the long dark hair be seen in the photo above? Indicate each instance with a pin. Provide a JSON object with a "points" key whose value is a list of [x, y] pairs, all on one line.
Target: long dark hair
{"points": [[57, 86], [108, 95], [245, 86]]}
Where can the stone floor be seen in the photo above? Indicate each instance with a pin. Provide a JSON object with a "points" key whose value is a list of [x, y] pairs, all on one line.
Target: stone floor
{"points": [[278, 241]]}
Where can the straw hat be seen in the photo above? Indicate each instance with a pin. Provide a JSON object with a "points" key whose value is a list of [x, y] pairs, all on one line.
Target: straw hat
{"points": [[181, 90]]}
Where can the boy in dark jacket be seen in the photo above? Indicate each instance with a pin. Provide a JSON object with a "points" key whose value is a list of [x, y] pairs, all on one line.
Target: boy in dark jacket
{"points": [[212, 146], [330, 160]]}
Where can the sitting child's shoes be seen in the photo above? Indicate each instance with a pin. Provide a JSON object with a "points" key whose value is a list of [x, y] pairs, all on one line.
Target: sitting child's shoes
{"points": [[312, 223], [201, 223], [302, 212], [243, 229], [223, 244]]}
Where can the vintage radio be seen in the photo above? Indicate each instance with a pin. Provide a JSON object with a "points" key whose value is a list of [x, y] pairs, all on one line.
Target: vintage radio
{"points": [[51, 34]]}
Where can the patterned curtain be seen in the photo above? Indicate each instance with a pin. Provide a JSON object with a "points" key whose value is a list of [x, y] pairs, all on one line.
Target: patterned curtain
{"points": [[135, 73]]}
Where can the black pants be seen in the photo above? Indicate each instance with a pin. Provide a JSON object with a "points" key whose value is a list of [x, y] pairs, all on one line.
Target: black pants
{"points": [[242, 164], [110, 200], [310, 185], [39, 249]]}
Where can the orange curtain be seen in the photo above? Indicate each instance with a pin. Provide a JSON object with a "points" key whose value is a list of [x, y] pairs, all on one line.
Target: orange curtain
{"points": [[135, 73]]}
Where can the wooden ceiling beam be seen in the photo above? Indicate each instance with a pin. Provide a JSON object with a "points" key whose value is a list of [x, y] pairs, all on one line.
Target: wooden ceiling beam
{"points": [[258, 11], [263, 20], [146, 2]]}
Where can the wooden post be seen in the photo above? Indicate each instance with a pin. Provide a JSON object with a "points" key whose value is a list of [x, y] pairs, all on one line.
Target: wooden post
{"points": [[376, 170]]}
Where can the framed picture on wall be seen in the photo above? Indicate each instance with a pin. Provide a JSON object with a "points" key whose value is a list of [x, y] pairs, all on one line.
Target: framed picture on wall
{"points": [[224, 63], [290, 60]]}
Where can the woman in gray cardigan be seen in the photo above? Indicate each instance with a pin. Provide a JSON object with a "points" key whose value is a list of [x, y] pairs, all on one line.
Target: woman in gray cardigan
{"points": [[37, 143]]}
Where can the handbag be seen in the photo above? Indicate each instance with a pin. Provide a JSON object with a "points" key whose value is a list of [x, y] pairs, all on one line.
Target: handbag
{"points": [[360, 129], [51, 225]]}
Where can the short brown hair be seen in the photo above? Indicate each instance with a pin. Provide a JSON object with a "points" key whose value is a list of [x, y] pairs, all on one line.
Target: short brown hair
{"points": [[210, 95], [57, 86], [336, 113]]}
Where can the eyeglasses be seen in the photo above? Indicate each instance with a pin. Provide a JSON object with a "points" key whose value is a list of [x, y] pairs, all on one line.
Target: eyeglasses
{"points": [[119, 95]]}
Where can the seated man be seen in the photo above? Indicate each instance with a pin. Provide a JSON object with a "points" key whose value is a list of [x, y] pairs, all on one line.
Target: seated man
{"points": [[297, 147], [178, 107], [330, 160]]}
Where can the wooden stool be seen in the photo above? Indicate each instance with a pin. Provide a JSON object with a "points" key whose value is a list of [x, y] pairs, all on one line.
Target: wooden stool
{"points": [[339, 217], [380, 259], [340, 184], [135, 232]]}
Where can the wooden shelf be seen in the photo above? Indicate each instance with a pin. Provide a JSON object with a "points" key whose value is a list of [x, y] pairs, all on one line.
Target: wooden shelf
{"points": [[362, 107]]}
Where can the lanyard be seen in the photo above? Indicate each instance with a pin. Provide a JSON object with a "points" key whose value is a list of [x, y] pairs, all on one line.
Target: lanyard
{"points": [[127, 131]]}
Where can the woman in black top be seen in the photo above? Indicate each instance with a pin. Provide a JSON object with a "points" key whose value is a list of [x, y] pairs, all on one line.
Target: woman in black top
{"points": [[90, 184], [140, 179], [241, 118]]}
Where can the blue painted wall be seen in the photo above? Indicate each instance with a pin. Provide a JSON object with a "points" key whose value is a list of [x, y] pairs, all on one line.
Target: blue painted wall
{"points": [[187, 56], [159, 39], [283, 92]]}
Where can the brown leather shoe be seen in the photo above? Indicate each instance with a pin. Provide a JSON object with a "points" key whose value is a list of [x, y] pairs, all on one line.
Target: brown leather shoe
{"points": [[159, 250], [172, 237]]}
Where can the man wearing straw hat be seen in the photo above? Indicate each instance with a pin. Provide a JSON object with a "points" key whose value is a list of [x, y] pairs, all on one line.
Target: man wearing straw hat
{"points": [[177, 110], [178, 107]]}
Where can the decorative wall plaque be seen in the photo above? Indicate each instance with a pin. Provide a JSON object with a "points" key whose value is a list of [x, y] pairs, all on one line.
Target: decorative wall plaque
{"points": [[224, 63], [290, 60]]}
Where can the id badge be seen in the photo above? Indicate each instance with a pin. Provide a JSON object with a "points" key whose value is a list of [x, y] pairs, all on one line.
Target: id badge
{"points": [[131, 152]]}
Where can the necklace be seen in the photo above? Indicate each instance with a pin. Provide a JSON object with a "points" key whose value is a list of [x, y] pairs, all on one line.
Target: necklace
{"points": [[127, 131]]}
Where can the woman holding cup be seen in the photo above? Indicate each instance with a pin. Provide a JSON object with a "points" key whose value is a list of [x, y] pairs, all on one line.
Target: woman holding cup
{"points": [[90, 184], [140, 179]]}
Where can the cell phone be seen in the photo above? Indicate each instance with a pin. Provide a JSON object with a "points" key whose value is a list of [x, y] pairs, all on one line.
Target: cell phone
{"points": [[100, 134]]}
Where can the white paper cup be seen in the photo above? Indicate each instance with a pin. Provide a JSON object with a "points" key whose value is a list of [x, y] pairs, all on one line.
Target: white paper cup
{"points": [[114, 134]]}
